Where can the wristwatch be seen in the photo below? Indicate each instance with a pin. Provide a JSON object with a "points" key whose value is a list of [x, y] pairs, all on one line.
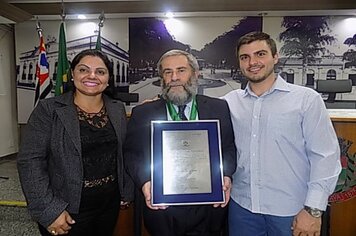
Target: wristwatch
{"points": [[314, 212]]}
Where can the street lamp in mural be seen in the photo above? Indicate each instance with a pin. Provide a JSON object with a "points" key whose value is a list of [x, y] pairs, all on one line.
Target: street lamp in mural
{"points": [[332, 57], [305, 38]]}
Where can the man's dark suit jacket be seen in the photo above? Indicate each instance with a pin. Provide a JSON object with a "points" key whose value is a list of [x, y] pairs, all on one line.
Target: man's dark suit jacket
{"points": [[138, 140]]}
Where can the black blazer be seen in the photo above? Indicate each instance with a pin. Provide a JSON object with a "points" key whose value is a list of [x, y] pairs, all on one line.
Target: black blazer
{"points": [[50, 162], [137, 148]]}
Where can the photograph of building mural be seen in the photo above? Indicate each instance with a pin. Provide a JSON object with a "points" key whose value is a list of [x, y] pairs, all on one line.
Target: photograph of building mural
{"points": [[151, 37], [316, 48], [27, 65], [80, 36], [310, 49]]}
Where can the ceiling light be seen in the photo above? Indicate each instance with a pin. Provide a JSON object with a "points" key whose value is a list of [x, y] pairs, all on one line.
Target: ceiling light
{"points": [[81, 17], [169, 14]]}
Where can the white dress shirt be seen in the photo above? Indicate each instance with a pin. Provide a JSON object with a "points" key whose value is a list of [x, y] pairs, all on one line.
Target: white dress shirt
{"points": [[287, 150]]}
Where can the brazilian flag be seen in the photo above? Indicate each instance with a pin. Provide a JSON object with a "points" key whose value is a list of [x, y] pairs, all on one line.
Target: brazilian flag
{"points": [[98, 41], [63, 73]]}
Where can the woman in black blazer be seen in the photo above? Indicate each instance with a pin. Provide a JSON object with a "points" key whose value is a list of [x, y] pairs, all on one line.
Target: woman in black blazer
{"points": [[70, 160]]}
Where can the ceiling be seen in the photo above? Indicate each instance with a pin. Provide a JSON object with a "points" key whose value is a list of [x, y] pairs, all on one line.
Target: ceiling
{"points": [[21, 10]]}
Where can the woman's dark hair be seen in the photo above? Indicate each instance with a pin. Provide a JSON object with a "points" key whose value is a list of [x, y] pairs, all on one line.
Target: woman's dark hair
{"points": [[96, 53]]}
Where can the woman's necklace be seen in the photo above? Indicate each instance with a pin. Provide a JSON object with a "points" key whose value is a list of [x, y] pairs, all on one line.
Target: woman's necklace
{"points": [[96, 119], [90, 110], [90, 105]]}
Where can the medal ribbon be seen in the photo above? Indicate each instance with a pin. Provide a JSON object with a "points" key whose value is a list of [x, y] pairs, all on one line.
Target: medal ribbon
{"points": [[174, 113]]}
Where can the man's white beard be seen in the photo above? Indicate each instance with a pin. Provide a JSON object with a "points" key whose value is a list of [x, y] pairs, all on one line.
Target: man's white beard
{"points": [[181, 98]]}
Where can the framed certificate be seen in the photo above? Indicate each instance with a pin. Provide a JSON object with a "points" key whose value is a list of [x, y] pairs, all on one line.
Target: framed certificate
{"points": [[186, 163]]}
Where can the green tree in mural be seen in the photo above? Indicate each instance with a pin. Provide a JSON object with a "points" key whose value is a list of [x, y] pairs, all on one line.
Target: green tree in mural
{"points": [[350, 55], [149, 39], [223, 47], [305, 38]]}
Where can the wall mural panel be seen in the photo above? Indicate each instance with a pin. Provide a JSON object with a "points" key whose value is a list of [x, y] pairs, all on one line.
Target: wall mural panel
{"points": [[80, 35], [311, 49], [315, 48], [214, 49]]}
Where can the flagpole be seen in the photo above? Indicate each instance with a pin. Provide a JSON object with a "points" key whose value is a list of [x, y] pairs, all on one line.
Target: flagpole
{"points": [[38, 28], [37, 80], [43, 84], [101, 24], [101, 19], [63, 66], [63, 14]]}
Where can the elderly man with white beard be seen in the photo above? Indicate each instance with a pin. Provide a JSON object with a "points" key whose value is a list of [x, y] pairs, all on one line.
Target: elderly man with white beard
{"points": [[179, 101]]}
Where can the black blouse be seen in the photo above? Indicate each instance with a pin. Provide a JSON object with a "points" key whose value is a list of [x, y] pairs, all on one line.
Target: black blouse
{"points": [[99, 148]]}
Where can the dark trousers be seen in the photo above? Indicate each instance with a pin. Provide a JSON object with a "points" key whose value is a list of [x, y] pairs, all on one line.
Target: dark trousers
{"points": [[89, 225], [325, 223], [97, 216], [202, 220]]}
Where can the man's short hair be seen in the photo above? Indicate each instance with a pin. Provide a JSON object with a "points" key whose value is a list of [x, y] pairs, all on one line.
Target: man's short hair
{"points": [[191, 60], [256, 36]]}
